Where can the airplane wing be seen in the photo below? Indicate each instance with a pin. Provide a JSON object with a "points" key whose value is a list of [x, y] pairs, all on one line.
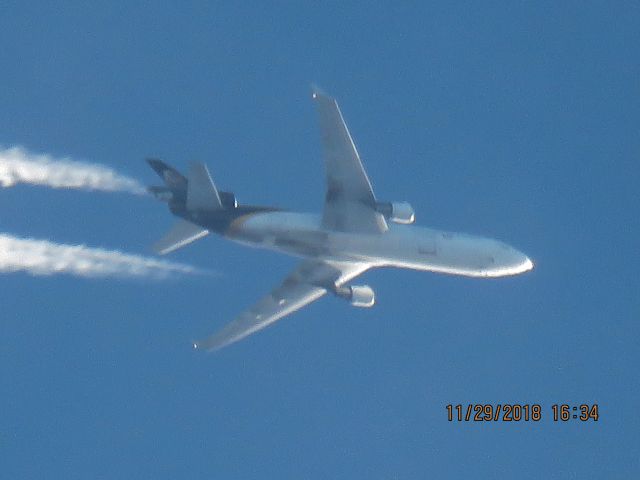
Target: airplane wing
{"points": [[304, 285], [350, 202]]}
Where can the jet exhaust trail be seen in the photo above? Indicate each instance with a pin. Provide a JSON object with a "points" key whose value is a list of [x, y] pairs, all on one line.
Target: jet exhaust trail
{"points": [[18, 165], [42, 257]]}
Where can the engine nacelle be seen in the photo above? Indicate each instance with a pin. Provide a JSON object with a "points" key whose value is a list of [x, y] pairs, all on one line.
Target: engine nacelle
{"points": [[228, 200], [359, 295], [362, 296], [397, 212]]}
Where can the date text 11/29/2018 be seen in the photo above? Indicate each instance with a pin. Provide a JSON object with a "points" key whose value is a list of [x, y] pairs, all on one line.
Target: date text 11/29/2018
{"points": [[479, 412]]}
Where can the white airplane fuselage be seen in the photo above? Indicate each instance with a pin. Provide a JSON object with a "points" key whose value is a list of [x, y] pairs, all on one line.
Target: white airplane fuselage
{"points": [[354, 233], [402, 246]]}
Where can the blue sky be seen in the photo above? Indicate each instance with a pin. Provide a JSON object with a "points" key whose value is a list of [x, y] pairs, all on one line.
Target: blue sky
{"points": [[517, 120]]}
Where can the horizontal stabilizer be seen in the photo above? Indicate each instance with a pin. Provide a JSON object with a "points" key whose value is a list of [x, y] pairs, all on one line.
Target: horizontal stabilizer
{"points": [[183, 233], [201, 192]]}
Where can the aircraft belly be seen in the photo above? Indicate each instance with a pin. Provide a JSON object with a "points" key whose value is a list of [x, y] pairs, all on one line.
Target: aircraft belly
{"points": [[421, 249], [292, 233], [300, 235], [405, 247]]}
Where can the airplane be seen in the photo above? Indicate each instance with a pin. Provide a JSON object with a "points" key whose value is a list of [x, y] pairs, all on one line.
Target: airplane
{"points": [[354, 233]]}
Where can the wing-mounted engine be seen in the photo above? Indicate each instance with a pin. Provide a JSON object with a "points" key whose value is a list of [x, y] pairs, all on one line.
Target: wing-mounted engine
{"points": [[359, 295], [397, 212]]}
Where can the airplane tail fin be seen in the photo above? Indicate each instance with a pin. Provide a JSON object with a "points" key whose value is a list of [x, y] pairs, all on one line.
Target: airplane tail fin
{"points": [[174, 190], [172, 178], [182, 234], [187, 198], [194, 192]]}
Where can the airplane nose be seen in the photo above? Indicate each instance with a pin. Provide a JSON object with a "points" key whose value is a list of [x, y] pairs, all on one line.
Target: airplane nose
{"points": [[516, 262], [522, 263], [508, 261]]}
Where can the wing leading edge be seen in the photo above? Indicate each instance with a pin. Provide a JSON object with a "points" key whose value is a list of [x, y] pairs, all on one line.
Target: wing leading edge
{"points": [[350, 205], [307, 283]]}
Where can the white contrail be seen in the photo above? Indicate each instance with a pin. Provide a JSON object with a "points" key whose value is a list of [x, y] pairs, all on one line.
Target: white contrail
{"points": [[18, 165], [42, 257]]}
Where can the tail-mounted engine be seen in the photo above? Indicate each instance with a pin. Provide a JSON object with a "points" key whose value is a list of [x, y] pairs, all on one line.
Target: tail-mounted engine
{"points": [[228, 200], [359, 295], [176, 195], [397, 212]]}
